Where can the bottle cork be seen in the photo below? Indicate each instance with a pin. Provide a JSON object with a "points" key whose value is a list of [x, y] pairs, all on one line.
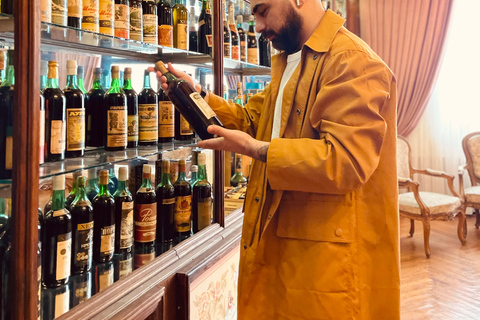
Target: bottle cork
{"points": [[202, 159], [103, 177], [165, 166], [81, 181], [127, 73], [59, 182], [71, 67], [122, 174], [160, 66], [115, 72]]}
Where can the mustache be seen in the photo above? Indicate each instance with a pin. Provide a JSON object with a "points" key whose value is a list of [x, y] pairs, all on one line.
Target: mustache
{"points": [[268, 33]]}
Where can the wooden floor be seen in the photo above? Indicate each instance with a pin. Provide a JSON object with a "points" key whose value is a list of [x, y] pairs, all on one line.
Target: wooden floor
{"points": [[446, 286]]}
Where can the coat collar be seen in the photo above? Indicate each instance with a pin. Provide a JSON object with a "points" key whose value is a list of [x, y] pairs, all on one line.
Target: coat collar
{"points": [[322, 37]]}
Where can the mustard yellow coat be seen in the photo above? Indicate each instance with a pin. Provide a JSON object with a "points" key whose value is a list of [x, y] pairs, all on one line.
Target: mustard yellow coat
{"points": [[320, 234]]}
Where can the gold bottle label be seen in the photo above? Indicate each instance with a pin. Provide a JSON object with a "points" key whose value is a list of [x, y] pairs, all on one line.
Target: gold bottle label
{"points": [[136, 24], [165, 35], [183, 213], [116, 127], [90, 15], [182, 34], [133, 128], [126, 227], [252, 55], [46, 10], [166, 119], [147, 123], [107, 240], [185, 128], [57, 137], [75, 8], [204, 211], [59, 12], [64, 249], [106, 20], [75, 129]]}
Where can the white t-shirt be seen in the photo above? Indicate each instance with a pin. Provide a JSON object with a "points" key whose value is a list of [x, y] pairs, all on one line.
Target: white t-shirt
{"points": [[293, 61]]}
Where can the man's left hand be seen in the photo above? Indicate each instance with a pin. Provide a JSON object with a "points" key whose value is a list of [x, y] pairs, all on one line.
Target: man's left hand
{"points": [[235, 141]]}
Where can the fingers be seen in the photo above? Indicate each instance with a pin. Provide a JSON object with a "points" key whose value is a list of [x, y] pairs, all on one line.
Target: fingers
{"points": [[174, 71], [214, 144]]}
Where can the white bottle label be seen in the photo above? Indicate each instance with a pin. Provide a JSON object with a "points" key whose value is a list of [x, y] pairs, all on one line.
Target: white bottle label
{"points": [[126, 230], [57, 137], [64, 255], [202, 105], [46, 10], [150, 29], [62, 303]]}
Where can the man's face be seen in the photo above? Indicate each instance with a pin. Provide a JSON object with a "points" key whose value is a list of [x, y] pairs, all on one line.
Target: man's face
{"points": [[278, 21]]}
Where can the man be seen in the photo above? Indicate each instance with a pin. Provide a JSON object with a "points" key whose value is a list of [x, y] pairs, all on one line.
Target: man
{"points": [[320, 234]]}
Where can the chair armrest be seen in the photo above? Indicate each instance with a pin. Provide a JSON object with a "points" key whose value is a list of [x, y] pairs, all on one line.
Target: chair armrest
{"points": [[413, 187], [441, 174], [461, 170]]}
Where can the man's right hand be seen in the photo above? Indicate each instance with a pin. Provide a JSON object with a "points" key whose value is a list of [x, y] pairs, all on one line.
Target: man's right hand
{"points": [[179, 74]]}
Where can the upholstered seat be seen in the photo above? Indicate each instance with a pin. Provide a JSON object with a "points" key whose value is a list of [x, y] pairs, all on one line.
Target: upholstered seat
{"points": [[437, 203], [472, 194], [471, 148]]}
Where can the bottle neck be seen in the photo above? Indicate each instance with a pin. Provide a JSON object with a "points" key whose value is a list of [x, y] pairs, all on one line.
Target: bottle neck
{"points": [[127, 84], [81, 194], [194, 176], [178, 1], [166, 179], [92, 183], [43, 82], [58, 200], [181, 176], [122, 187], [206, 5], [81, 85], [146, 82], [10, 79], [202, 172], [146, 182], [52, 83], [115, 87], [103, 190], [170, 77], [72, 81], [97, 84]]}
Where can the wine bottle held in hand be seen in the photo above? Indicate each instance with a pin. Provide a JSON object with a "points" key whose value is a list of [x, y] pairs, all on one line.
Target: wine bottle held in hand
{"points": [[190, 103]]}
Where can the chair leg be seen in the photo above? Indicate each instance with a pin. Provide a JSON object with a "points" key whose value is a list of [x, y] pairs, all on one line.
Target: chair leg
{"points": [[477, 221], [426, 237], [462, 227], [412, 227]]}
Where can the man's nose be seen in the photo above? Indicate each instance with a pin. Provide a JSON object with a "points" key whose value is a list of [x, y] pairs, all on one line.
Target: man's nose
{"points": [[260, 26]]}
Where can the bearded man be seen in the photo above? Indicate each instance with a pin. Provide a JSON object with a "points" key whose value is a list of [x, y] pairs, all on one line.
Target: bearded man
{"points": [[320, 234]]}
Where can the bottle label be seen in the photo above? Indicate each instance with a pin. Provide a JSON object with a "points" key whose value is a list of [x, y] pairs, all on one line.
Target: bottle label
{"points": [[185, 128], [122, 21], [116, 127], [166, 119], [145, 222], [235, 52], [226, 51], [148, 123], [46, 10], [253, 55], [243, 51], [90, 15], [106, 17], [136, 24], [84, 244], [182, 34], [125, 268], [133, 128], [75, 8], [105, 279], [42, 136], [107, 240], [204, 211], [183, 213], [57, 137], [75, 129], [62, 303], [58, 213], [150, 29], [202, 105], [64, 255], [208, 11], [126, 227], [9, 148], [143, 259], [165, 35], [59, 12], [167, 202], [82, 290]]}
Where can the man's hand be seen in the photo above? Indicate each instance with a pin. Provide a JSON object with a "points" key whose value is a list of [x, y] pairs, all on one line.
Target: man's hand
{"points": [[179, 74], [235, 141]]}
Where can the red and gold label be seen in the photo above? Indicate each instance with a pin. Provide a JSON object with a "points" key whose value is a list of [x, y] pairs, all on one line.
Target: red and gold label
{"points": [[183, 213], [165, 36], [166, 119], [145, 222]]}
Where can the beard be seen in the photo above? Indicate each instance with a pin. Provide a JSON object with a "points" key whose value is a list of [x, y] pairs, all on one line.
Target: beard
{"points": [[287, 39]]}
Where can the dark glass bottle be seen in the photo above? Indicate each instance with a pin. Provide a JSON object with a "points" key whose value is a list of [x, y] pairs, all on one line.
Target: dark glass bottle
{"points": [[73, 193], [189, 102], [192, 32], [55, 302], [116, 115], [180, 25], [123, 214], [165, 210], [59, 12], [7, 6], [5, 246], [143, 256], [92, 184], [6, 120], [132, 106], [136, 20], [242, 38], [166, 118], [183, 205], [252, 46], [264, 51], [104, 217], [75, 12], [81, 288], [122, 19], [165, 24], [202, 197], [123, 265], [95, 112], [55, 105], [75, 109], [82, 229], [205, 30], [147, 113], [150, 22], [233, 33], [57, 241], [145, 213], [227, 38], [104, 276], [183, 129]]}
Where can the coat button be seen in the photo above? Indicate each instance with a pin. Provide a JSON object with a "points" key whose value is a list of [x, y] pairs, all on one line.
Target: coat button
{"points": [[338, 232], [245, 247], [257, 199], [315, 57], [299, 111]]}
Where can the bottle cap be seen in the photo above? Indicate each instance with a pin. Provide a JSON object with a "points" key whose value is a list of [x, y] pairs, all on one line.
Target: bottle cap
{"points": [[115, 72], [71, 67], [202, 159], [240, 19], [103, 177], [194, 168], [81, 181], [80, 71], [59, 182], [122, 174], [251, 18], [147, 169], [165, 166], [146, 73], [97, 73], [52, 63], [181, 166], [160, 66], [127, 71]]}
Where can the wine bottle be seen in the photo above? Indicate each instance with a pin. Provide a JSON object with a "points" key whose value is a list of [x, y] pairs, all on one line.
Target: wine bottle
{"points": [[165, 210], [147, 113], [116, 115], [239, 99], [104, 217], [6, 120], [150, 20], [194, 171], [82, 227], [233, 33], [227, 38], [95, 114], [106, 17], [122, 19], [73, 193], [75, 108], [180, 25], [143, 256], [192, 32], [80, 76], [205, 31], [136, 20], [132, 106], [252, 47], [55, 302], [92, 186], [166, 118], [165, 24], [46, 11], [202, 197], [59, 12], [57, 238], [238, 179], [43, 74], [55, 110], [123, 214], [192, 106], [242, 37], [104, 275], [90, 16], [75, 12], [145, 213], [183, 205], [264, 51]]}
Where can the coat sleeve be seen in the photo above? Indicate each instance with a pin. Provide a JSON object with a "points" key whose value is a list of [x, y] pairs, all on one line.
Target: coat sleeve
{"points": [[347, 114], [236, 117]]}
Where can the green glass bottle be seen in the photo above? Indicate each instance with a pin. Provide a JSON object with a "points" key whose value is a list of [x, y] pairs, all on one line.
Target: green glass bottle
{"points": [[95, 112], [238, 179], [147, 113], [180, 25], [132, 106], [92, 184], [193, 178], [183, 205], [202, 198], [73, 193], [81, 75], [123, 214], [6, 120], [43, 74], [116, 115]]}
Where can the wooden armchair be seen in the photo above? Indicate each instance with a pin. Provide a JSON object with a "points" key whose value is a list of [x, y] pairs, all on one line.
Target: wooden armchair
{"points": [[471, 196], [426, 206]]}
